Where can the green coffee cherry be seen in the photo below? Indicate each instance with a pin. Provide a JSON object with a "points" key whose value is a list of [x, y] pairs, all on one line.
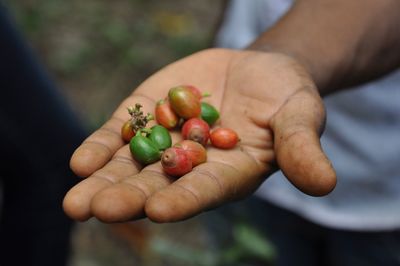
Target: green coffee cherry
{"points": [[160, 136], [209, 113], [144, 150]]}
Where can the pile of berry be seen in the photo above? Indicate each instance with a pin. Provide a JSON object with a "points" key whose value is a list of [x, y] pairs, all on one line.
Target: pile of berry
{"points": [[182, 108]]}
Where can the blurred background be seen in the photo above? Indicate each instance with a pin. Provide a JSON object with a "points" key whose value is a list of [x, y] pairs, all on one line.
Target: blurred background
{"points": [[98, 51]]}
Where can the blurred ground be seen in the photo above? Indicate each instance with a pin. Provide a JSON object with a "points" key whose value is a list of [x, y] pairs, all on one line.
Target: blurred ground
{"points": [[99, 51]]}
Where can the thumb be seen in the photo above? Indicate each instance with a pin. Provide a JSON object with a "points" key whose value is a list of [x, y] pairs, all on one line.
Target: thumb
{"points": [[297, 126]]}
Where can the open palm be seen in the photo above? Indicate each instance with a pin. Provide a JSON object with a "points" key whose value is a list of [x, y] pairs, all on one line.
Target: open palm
{"points": [[268, 99]]}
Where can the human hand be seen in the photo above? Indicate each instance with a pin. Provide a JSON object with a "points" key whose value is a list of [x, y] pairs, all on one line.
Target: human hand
{"points": [[268, 99]]}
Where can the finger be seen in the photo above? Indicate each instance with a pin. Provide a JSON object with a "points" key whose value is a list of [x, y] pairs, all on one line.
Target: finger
{"points": [[227, 175], [125, 200], [99, 147], [297, 127], [77, 201]]}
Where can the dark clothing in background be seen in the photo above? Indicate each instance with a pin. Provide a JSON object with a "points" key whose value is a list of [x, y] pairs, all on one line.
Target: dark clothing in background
{"points": [[38, 133], [300, 242]]}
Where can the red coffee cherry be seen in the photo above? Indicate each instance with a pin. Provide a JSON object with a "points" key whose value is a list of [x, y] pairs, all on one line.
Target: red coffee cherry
{"points": [[165, 116], [197, 130], [224, 138], [196, 152], [184, 102], [195, 91], [127, 132], [176, 162]]}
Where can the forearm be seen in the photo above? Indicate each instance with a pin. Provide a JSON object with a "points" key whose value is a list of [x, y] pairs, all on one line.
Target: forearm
{"points": [[340, 42]]}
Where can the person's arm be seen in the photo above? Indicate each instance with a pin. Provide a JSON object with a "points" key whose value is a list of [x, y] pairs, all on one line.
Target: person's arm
{"points": [[340, 42]]}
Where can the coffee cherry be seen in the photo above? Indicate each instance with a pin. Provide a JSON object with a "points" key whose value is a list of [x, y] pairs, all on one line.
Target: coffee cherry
{"points": [[209, 113], [195, 91], [184, 102], [165, 116], [160, 136], [224, 138], [197, 130], [196, 152], [176, 162], [127, 131], [144, 150]]}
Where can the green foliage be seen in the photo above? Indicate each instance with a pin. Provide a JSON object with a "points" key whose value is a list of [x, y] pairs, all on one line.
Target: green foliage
{"points": [[247, 247], [182, 254], [248, 244]]}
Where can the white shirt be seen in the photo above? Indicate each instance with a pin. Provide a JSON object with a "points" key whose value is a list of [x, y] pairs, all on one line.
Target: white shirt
{"points": [[362, 139]]}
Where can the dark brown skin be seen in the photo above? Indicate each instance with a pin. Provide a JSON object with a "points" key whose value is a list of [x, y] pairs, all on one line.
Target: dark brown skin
{"points": [[268, 96]]}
